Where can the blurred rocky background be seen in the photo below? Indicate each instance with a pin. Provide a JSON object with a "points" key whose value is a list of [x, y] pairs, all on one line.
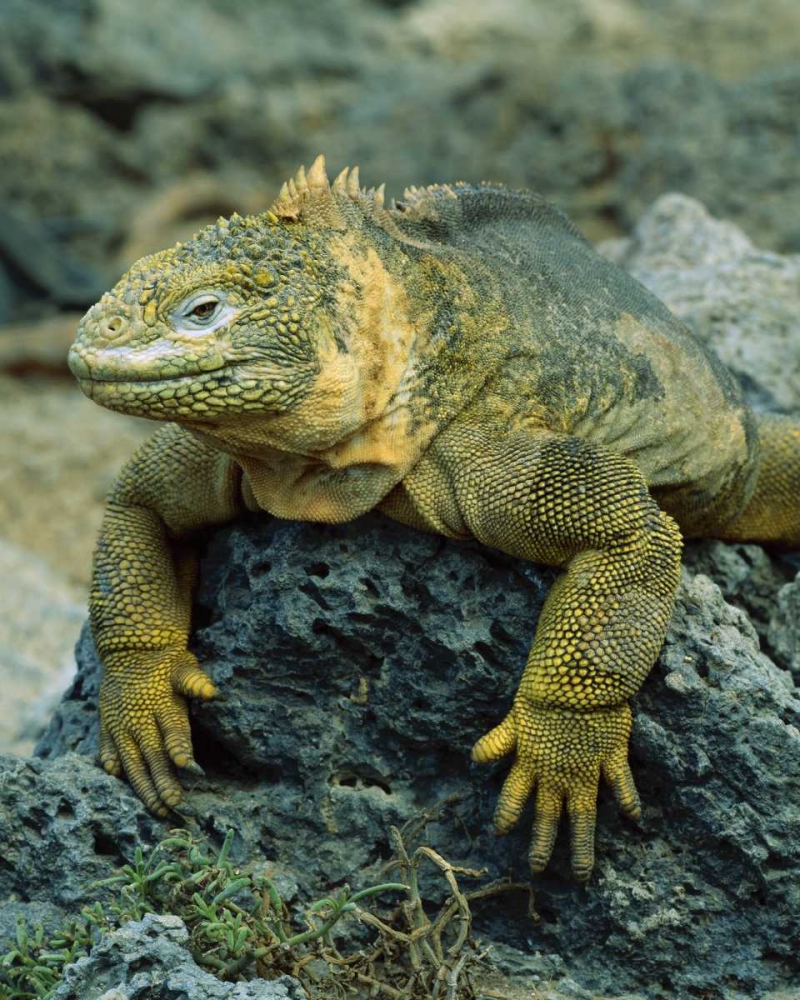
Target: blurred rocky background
{"points": [[126, 126]]}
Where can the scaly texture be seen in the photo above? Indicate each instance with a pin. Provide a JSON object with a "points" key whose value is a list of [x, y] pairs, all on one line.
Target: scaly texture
{"points": [[464, 362]]}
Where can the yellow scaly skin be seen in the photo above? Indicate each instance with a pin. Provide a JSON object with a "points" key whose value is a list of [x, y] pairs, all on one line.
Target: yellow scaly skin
{"points": [[464, 362]]}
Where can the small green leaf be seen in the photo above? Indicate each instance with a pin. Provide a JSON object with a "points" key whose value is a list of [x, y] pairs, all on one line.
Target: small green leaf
{"points": [[320, 904], [22, 935], [222, 860], [236, 886]]}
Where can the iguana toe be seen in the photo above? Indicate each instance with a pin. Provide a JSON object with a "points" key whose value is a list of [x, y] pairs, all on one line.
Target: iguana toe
{"points": [[109, 758], [188, 679], [497, 743], [618, 775], [545, 827], [582, 808], [169, 790], [516, 791], [173, 722], [137, 773]]}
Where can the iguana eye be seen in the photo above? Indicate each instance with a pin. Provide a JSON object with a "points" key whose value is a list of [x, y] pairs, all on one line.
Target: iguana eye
{"points": [[202, 309], [203, 312]]}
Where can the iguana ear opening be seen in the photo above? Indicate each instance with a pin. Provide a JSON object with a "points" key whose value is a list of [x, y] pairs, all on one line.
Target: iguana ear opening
{"points": [[311, 196]]}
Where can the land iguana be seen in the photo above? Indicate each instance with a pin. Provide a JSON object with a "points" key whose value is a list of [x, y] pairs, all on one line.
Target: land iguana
{"points": [[465, 362]]}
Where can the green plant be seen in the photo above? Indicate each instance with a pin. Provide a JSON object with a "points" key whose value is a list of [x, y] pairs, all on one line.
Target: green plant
{"points": [[234, 919], [33, 967], [239, 926]]}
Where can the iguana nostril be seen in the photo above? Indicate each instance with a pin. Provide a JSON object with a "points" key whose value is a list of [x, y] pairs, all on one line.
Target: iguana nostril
{"points": [[114, 325]]}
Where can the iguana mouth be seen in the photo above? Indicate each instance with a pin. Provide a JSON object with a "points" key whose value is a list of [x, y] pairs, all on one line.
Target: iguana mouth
{"points": [[131, 370], [150, 380], [146, 388], [205, 397]]}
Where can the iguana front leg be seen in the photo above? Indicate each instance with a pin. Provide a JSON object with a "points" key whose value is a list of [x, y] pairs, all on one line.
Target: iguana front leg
{"points": [[140, 607], [561, 501]]}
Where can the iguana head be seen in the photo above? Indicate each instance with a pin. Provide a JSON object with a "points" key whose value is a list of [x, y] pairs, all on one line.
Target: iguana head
{"points": [[253, 316]]}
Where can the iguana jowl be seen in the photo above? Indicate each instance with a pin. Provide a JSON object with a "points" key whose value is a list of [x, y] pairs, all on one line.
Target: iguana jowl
{"points": [[466, 363]]}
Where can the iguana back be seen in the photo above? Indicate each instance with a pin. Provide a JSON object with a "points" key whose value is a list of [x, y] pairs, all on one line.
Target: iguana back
{"points": [[589, 351]]}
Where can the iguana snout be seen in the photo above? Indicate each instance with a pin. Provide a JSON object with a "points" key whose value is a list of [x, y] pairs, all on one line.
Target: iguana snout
{"points": [[114, 345]]}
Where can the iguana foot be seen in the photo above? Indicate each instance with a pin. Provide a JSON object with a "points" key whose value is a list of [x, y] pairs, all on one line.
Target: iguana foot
{"points": [[561, 753], [144, 723]]}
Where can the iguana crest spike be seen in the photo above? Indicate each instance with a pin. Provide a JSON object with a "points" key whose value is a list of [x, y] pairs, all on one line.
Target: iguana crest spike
{"points": [[317, 176], [340, 182], [353, 186], [285, 206], [412, 194], [293, 194], [307, 186]]}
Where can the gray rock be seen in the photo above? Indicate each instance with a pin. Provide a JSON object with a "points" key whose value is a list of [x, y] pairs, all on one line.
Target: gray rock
{"points": [[784, 626], [407, 680], [106, 103], [150, 958], [27, 248], [50, 916], [754, 581], [8, 295], [625, 139], [63, 825], [742, 301], [36, 663], [292, 617]]}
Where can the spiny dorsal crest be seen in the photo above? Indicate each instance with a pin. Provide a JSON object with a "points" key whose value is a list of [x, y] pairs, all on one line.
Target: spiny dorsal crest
{"points": [[307, 188], [419, 195], [425, 203]]}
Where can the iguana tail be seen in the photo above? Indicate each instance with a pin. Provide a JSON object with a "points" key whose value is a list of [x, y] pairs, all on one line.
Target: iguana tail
{"points": [[773, 513]]}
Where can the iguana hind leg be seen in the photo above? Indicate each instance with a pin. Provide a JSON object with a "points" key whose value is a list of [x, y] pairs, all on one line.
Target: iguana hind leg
{"points": [[559, 500], [773, 513]]}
